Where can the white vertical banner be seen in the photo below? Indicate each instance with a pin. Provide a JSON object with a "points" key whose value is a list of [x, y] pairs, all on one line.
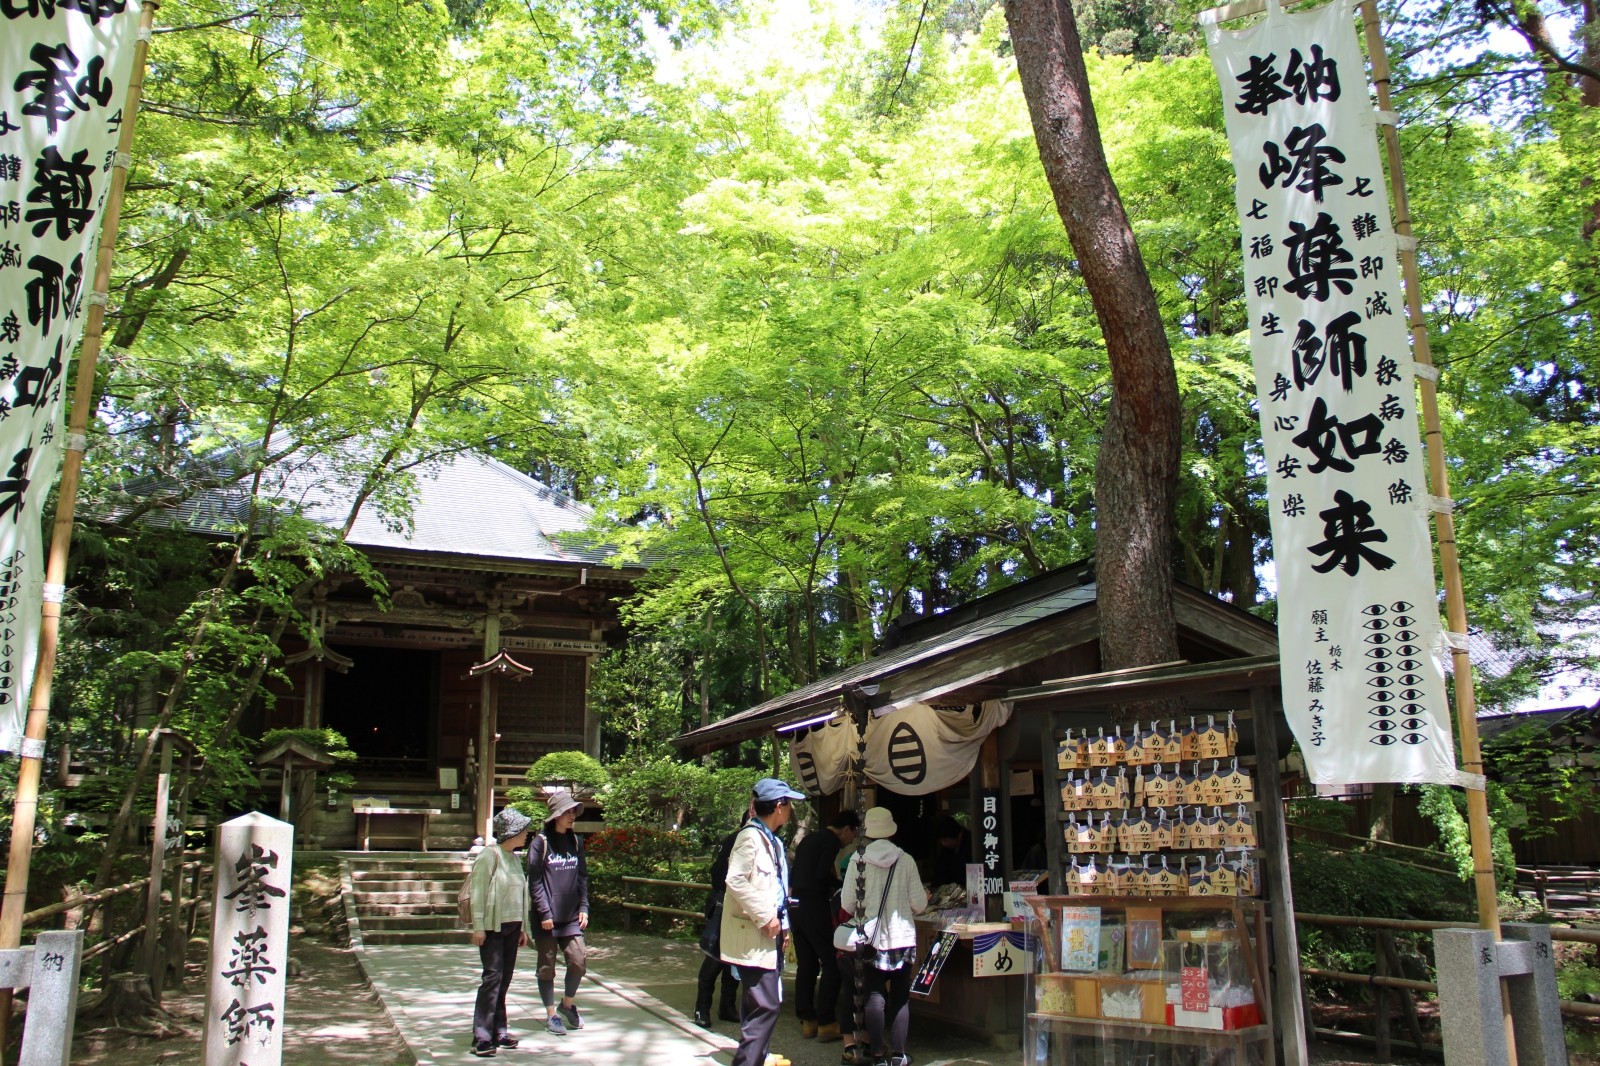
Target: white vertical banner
{"points": [[1358, 615], [249, 942], [64, 71]]}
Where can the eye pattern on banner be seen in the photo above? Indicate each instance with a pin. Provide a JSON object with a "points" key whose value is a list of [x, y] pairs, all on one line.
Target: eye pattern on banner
{"points": [[908, 759], [1397, 680]]}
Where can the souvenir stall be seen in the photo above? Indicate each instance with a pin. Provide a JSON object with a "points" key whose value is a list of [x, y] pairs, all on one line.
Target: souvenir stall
{"points": [[995, 714], [1167, 933], [928, 763]]}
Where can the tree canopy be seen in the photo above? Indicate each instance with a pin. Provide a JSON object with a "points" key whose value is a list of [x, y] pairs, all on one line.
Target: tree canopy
{"points": [[783, 294]]}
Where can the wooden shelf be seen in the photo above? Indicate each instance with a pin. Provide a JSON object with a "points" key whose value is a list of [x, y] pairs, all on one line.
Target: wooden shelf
{"points": [[1150, 1032], [1254, 807]]}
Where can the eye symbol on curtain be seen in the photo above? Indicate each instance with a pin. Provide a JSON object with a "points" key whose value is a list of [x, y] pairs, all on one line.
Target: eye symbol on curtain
{"points": [[807, 767], [908, 760]]}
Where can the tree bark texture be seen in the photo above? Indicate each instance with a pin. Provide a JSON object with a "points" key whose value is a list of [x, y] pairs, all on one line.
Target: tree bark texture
{"points": [[1136, 473]]}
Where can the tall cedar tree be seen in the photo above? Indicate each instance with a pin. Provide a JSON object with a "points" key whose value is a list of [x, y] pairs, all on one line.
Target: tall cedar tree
{"points": [[1136, 472]]}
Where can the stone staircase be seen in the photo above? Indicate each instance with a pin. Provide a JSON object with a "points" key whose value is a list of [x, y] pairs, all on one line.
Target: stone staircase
{"points": [[398, 897]]}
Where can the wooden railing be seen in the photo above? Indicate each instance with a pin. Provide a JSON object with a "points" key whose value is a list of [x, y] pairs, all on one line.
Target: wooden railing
{"points": [[676, 912], [1391, 990], [175, 920]]}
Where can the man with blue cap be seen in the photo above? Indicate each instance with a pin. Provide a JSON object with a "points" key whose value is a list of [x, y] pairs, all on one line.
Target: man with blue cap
{"points": [[755, 919]]}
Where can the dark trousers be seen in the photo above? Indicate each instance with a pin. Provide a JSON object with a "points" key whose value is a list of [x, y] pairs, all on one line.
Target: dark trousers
{"points": [[845, 966], [709, 970], [816, 980], [761, 1002], [888, 1009], [498, 953]]}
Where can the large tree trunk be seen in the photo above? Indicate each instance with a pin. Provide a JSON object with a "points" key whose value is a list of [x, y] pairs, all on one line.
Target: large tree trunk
{"points": [[1136, 474]]}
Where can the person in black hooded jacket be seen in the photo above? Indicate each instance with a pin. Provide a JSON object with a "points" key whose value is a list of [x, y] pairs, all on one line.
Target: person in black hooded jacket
{"points": [[558, 883], [712, 966]]}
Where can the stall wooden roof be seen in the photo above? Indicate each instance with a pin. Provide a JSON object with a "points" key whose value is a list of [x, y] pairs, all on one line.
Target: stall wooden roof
{"points": [[979, 641]]}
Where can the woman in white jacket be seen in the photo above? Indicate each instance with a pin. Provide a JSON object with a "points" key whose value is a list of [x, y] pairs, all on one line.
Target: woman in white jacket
{"points": [[887, 875]]}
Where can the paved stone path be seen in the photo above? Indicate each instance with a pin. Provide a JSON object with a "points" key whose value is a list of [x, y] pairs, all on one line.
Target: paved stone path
{"points": [[635, 1005]]}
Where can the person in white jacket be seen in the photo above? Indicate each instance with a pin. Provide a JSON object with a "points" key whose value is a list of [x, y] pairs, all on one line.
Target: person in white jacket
{"points": [[755, 919], [881, 882]]}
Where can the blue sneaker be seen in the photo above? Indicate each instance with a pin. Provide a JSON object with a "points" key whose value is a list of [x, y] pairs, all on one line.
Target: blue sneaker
{"points": [[555, 1026], [570, 1016]]}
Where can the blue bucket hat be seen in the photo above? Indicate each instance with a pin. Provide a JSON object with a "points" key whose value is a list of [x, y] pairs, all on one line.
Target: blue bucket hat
{"points": [[769, 789]]}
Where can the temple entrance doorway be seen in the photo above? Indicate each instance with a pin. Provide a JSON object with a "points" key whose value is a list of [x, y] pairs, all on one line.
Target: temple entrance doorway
{"points": [[387, 707]]}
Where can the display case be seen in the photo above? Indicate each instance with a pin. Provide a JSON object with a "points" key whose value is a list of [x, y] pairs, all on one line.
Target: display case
{"points": [[1147, 981]]}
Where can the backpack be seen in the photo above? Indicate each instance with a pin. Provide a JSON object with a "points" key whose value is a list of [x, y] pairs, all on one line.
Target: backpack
{"points": [[464, 897]]}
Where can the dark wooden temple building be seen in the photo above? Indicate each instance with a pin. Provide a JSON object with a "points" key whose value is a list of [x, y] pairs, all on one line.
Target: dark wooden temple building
{"points": [[499, 604]]}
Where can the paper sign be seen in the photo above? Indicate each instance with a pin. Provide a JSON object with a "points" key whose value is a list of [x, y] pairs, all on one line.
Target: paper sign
{"points": [[938, 955], [1196, 988]]}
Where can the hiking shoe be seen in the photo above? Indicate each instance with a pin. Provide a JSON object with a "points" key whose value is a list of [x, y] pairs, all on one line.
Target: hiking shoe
{"points": [[506, 1040], [808, 1028], [484, 1049], [555, 1025], [570, 1016], [828, 1033]]}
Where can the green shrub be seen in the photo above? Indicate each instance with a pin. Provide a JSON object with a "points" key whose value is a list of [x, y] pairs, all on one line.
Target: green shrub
{"points": [[640, 851], [1328, 881], [529, 802], [666, 793], [569, 767]]}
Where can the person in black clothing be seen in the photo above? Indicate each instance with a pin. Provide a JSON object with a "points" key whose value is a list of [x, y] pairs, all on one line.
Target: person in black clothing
{"points": [[948, 865], [558, 884], [813, 881], [710, 967]]}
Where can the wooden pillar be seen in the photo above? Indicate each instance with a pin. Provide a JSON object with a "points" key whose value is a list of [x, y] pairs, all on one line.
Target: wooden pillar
{"points": [[177, 935], [1051, 786], [285, 787], [591, 724], [1291, 1020], [316, 674], [151, 942], [488, 723], [316, 671]]}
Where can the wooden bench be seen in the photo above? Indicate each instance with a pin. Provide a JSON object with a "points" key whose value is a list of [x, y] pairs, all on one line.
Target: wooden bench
{"points": [[364, 828]]}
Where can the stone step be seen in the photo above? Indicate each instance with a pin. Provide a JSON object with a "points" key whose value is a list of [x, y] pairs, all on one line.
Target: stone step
{"points": [[366, 901], [417, 936], [440, 920], [405, 908]]}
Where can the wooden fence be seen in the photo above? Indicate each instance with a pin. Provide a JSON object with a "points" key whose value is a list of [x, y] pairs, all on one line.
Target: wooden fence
{"points": [[160, 954], [636, 883], [1393, 992]]}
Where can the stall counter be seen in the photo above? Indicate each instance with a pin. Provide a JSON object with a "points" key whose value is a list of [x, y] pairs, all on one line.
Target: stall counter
{"points": [[989, 1009]]}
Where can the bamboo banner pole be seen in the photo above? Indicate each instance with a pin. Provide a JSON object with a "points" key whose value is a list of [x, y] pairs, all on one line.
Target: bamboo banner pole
{"points": [[1439, 482], [26, 809], [1444, 521]]}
